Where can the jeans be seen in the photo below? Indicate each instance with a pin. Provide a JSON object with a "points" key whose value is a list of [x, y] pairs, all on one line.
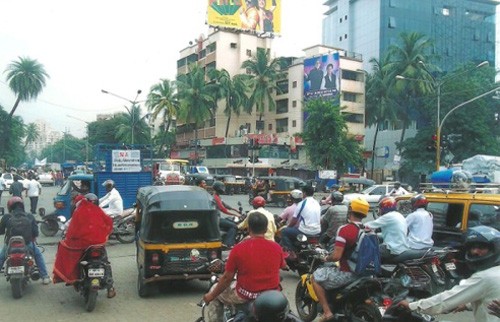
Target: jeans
{"points": [[34, 204], [287, 235], [230, 227], [40, 262]]}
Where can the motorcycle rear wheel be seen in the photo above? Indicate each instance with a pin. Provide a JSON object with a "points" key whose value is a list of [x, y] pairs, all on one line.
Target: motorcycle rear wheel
{"points": [[49, 228], [367, 312], [129, 227], [90, 300], [17, 286], [307, 308]]}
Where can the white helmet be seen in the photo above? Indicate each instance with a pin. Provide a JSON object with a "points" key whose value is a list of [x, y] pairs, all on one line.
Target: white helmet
{"points": [[296, 194]]}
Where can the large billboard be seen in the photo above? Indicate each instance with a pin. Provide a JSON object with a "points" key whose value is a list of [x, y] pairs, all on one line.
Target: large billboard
{"points": [[259, 16], [322, 77]]}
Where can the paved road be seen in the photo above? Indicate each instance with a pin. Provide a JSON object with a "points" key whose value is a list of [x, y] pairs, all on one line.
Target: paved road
{"points": [[174, 302]]}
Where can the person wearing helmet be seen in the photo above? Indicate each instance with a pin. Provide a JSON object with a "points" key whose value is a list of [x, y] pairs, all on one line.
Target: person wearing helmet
{"points": [[394, 228], [482, 255], [397, 190], [420, 224], [328, 201], [225, 224], [258, 204], [252, 276], [335, 216], [294, 198], [112, 202], [89, 225], [15, 206], [272, 306], [345, 243]]}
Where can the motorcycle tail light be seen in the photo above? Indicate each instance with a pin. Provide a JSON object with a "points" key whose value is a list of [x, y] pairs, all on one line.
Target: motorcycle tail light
{"points": [[16, 260], [31, 262], [213, 254], [436, 261], [155, 259], [387, 301], [59, 205], [95, 253]]}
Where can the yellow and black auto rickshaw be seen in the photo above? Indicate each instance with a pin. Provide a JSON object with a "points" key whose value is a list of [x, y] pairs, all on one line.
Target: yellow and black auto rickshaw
{"points": [[178, 234], [275, 189]]}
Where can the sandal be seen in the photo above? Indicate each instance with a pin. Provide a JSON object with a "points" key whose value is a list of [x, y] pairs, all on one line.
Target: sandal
{"points": [[111, 293], [326, 318]]}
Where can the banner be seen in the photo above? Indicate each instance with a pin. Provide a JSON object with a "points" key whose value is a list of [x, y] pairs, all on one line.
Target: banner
{"points": [[260, 16], [126, 161], [322, 77]]}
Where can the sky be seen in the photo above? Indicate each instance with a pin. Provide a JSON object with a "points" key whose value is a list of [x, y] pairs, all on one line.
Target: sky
{"points": [[117, 45]]}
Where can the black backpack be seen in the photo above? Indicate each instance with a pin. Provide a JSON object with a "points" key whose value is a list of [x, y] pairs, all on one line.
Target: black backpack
{"points": [[21, 225]]}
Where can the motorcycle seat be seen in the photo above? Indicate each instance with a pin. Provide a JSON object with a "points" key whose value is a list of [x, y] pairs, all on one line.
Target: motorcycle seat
{"points": [[411, 254]]}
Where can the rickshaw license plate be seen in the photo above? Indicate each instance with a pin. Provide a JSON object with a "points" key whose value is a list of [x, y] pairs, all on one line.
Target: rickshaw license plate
{"points": [[15, 270], [95, 272], [450, 266]]}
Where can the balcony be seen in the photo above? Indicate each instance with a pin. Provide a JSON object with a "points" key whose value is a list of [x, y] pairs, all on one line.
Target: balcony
{"points": [[184, 138]]}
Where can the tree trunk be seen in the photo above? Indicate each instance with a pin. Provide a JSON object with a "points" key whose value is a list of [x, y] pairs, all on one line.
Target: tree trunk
{"points": [[18, 99], [227, 124], [373, 149]]}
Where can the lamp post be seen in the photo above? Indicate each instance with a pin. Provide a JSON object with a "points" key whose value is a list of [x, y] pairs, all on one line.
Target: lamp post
{"points": [[86, 141], [437, 83], [130, 111]]}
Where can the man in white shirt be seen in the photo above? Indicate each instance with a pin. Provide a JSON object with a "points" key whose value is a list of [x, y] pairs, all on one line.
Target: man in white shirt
{"points": [[112, 202], [33, 191], [3, 186], [420, 224], [397, 190]]}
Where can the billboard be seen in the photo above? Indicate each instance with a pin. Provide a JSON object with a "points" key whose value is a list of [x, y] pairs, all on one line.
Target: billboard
{"points": [[322, 77], [260, 16]]}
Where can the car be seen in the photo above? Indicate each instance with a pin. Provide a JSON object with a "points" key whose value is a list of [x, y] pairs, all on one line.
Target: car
{"points": [[372, 194], [9, 179], [46, 179]]}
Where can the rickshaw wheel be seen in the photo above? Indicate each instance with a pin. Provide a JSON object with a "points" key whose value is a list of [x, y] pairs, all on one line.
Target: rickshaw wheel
{"points": [[143, 289]]}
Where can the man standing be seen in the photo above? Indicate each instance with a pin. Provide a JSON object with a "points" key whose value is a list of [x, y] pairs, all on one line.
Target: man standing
{"points": [[252, 276], [315, 76], [16, 188], [3, 186], [33, 191], [112, 202]]}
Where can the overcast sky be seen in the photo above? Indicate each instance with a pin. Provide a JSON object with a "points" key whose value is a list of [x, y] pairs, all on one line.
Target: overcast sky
{"points": [[117, 45]]}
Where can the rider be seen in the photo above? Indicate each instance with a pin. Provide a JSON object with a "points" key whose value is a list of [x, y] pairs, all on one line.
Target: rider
{"points": [[252, 276], [225, 224], [89, 225], [328, 200], [334, 217], [393, 226], [15, 206], [345, 242], [397, 190], [294, 198], [420, 225], [482, 247], [258, 204], [112, 202]]}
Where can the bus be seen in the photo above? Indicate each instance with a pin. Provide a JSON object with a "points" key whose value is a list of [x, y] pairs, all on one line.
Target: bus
{"points": [[171, 171]]}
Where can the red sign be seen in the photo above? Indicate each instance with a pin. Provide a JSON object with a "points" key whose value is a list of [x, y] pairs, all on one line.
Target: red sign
{"points": [[264, 138], [218, 141], [359, 137]]}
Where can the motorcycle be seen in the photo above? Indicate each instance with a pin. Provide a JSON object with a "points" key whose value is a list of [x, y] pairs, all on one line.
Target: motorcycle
{"points": [[51, 224], [20, 266], [358, 300], [393, 312], [300, 260], [124, 227], [94, 275]]}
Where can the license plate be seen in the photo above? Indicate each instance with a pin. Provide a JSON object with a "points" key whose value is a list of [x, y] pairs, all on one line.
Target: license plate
{"points": [[434, 268], [15, 270], [95, 272], [450, 266]]}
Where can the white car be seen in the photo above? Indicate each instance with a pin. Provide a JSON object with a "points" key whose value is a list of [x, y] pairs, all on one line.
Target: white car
{"points": [[46, 179], [9, 178], [372, 194]]}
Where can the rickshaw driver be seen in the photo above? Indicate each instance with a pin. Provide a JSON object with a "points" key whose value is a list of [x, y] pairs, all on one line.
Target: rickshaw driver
{"points": [[252, 277], [227, 225], [112, 202]]}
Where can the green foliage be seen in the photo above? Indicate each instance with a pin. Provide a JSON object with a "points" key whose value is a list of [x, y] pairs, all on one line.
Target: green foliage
{"points": [[325, 135], [162, 102], [103, 131], [32, 134], [68, 148]]}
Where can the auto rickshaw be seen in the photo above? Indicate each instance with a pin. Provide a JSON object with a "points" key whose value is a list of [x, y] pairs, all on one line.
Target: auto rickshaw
{"points": [[234, 184], [178, 234], [275, 189]]}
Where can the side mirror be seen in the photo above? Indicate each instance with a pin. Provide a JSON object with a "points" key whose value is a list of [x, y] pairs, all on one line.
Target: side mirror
{"points": [[61, 219], [301, 238]]}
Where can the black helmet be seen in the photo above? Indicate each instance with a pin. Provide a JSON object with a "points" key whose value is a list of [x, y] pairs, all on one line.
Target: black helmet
{"points": [[419, 201], [337, 197], [92, 198], [219, 187], [486, 237], [15, 202], [270, 306]]}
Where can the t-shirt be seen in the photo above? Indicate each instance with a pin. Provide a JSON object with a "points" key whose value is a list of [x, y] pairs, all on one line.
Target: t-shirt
{"points": [[420, 228], [287, 214], [271, 226], [34, 188], [257, 263], [394, 230], [335, 217], [310, 216], [347, 236]]}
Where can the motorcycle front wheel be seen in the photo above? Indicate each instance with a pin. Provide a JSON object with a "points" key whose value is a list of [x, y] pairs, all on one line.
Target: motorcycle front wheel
{"points": [[49, 228], [17, 286], [126, 231], [367, 312], [307, 308], [90, 300]]}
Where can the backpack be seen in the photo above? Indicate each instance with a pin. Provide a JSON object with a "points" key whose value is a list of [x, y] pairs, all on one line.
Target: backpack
{"points": [[21, 225], [365, 258]]}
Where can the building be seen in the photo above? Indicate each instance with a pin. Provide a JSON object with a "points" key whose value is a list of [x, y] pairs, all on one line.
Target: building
{"points": [[279, 148], [462, 30], [46, 137]]}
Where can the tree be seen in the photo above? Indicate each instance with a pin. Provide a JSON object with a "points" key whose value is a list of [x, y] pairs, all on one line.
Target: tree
{"points": [[328, 144], [26, 78], [11, 134], [32, 134], [104, 131], [67, 148], [133, 127], [264, 72], [162, 102]]}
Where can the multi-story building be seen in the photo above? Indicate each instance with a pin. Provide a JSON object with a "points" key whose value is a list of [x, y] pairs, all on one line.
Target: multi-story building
{"points": [[462, 31], [280, 149], [46, 137]]}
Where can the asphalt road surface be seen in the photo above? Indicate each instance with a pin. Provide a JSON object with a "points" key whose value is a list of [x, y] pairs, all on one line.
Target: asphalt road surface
{"points": [[174, 301]]}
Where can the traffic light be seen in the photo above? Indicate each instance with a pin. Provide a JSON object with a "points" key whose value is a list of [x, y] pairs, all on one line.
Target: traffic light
{"points": [[253, 159], [435, 140], [256, 144]]}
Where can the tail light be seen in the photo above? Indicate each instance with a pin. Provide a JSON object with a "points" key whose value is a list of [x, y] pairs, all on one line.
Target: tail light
{"points": [[436, 261], [17, 244], [16, 260], [96, 253], [31, 262], [386, 302], [155, 259], [213, 255]]}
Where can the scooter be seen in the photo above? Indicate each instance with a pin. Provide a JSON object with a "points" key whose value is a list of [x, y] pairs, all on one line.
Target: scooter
{"points": [[124, 227]]}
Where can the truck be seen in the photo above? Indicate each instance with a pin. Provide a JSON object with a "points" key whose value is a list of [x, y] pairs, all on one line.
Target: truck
{"points": [[125, 165]]}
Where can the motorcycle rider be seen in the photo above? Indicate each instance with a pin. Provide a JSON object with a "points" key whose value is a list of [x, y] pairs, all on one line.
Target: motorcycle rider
{"points": [[258, 204], [345, 242], [15, 205], [294, 198], [482, 255], [225, 224], [420, 224], [397, 190], [328, 200], [393, 226], [252, 276], [112, 202], [89, 225], [335, 216]]}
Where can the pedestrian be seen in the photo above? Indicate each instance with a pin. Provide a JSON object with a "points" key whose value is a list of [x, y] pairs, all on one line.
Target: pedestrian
{"points": [[33, 191], [3, 186], [16, 188]]}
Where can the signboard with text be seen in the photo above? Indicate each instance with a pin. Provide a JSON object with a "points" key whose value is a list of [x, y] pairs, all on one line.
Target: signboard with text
{"points": [[126, 161], [322, 77]]}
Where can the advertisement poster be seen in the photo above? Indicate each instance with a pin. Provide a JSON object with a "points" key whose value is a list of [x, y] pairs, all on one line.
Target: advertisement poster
{"points": [[322, 77], [259, 16], [126, 161]]}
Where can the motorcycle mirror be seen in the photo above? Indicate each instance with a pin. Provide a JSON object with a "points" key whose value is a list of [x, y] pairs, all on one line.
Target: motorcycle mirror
{"points": [[301, 238], [61, 218]]}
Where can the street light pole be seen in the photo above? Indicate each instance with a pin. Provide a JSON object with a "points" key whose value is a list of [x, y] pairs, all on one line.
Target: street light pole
{"points": [[130, 111], [86, 141]]}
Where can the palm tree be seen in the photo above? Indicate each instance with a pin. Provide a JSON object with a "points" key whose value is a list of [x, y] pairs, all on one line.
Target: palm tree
{"points": [[133, 128], [233, 91], [197, 98], [32, 134], [26, 78], [264, 73], [162, 102]]}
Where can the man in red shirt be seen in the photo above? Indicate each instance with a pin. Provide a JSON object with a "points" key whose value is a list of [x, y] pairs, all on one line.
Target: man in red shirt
{"points": [[345, 242], [229, 226], [252, 276]]}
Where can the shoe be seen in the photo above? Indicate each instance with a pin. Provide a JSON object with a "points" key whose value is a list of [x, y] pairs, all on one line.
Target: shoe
{"points": [[326, 318], [111, 293], [46, 280]]}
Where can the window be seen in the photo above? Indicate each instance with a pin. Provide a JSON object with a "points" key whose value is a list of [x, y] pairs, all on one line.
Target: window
{"points": [[294, 123], [282, 125], [349, 97], [350, 75], [340, 20], [294, 103], [487, 215], [282, 86], [211, 66], [392, 22], [294, 84], [282, 106], [446, 215], [340, 38], [345, 36], [233, 45], [345, 17], [203, 53], [249, 52], [353, 118], [445, 11], [211, 47], [392, 3], [270, 127]]}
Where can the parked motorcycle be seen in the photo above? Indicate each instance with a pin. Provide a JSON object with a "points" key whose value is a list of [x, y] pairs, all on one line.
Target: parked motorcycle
{"points": [[20, 266], [95, 274]]}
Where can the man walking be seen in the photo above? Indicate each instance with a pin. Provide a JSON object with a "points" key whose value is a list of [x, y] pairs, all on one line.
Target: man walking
{"points": [[16, 188], [33, 191]]}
